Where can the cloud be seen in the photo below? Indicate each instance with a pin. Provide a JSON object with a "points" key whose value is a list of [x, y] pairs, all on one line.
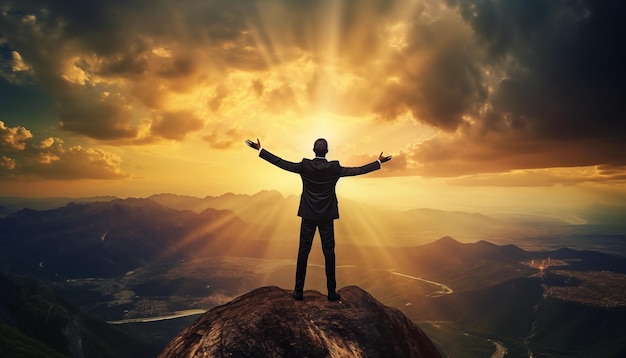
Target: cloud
{"points": [[7, 163], [532, 85], [106, 65], [52, 160], [18, 63], [175, 125], [79, 163], [507, 84], [471, 153], [100, 116], [556, 103], [227, 139], [13, 139], [436, 75], [543, 177], [564, 81]]}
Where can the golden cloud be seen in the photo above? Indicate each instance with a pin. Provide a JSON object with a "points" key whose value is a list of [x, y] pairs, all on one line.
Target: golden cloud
{"points": [[51, 160]]}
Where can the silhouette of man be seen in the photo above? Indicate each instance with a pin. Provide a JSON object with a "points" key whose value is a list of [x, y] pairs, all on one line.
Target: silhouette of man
{"points": [[318, 205]]}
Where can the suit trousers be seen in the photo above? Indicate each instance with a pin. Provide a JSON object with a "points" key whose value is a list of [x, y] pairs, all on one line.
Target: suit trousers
{"points": [[327, 234]]}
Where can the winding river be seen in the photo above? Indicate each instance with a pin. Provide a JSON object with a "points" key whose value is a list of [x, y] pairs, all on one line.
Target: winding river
{"points": [[445, 290]]}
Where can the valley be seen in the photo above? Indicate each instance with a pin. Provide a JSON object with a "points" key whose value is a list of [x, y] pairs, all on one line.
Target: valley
{"points": [[175, 290], [591, 288]]}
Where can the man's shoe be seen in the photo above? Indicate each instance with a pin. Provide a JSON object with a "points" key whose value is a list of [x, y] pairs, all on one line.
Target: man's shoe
{"points": [[297, 295], [333, 296]]}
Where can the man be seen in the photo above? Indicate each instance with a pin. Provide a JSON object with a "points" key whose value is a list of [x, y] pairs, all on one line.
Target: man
{"points": [[318, 205]]}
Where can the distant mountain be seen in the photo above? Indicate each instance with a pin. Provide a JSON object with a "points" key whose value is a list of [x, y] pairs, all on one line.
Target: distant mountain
{"points": [[362, 224], [367, 224], [110, 238], [278, 326], [229, 201], [35, 322], [267, 208], [9, 204], [460, 265], [273, 214], [481, 264]]}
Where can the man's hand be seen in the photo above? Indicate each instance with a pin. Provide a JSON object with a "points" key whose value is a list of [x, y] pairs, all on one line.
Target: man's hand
{"points": [[384, 158], [253, 145]]}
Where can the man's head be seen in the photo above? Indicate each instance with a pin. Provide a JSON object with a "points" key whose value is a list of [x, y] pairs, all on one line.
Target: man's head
{"points": [[320, 147]]}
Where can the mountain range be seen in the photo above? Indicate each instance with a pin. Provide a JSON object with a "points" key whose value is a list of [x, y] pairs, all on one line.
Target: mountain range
{"points": [[162, 254], [362, 224], [110, 238]]}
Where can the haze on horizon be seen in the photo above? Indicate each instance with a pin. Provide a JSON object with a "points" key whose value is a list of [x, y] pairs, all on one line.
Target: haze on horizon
{"points": [[485, 105]]}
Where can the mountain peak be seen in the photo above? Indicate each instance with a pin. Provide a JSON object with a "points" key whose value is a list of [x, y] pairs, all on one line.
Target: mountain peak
{"points": [[268, 322], [447, 240]]}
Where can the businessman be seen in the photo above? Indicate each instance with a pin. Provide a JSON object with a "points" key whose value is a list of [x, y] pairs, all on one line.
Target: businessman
{"points": [[318, 205]]}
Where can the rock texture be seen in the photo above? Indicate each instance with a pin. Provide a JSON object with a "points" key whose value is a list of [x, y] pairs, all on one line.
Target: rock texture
{"points": [[268, 322]]}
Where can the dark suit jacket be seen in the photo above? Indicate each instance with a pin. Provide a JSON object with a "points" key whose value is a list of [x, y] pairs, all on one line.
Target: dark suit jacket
{"points": [[319, 177]]}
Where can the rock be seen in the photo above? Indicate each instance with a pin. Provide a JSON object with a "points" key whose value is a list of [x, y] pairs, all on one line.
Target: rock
{"points": [[268, 322]]}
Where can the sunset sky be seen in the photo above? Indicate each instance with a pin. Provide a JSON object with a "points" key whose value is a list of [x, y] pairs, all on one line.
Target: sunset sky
{"points": [[485, 105]]}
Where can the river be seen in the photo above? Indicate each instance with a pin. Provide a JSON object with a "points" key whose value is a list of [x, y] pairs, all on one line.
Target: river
{"points": [[500, 349], [176, 314], [445, 290]]}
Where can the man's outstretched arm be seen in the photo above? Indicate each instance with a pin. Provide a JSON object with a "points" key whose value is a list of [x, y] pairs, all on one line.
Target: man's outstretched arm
{"points": [[352, 171], [277, 161]]}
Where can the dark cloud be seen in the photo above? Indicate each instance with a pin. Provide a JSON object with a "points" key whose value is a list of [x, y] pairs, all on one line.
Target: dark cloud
{"points": [[538, 84], [131, 64], [437, 75], [566, 77], [98, 115]]}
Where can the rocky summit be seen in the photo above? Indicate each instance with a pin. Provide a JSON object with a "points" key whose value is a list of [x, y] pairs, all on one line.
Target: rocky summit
{"points": [[268, 322]]}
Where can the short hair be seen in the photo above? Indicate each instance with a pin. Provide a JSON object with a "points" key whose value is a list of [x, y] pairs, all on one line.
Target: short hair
{"points": [[320, 147]]}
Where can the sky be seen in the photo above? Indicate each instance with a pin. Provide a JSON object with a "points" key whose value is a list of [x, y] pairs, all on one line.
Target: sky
{"points": [[485, 105]]}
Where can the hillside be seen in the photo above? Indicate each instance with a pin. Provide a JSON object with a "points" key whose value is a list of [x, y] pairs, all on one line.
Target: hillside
{"points": [[36, 322]]}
